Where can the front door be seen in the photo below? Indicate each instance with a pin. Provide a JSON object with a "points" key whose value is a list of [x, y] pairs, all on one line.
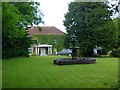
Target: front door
{"points": [[43, 52]]}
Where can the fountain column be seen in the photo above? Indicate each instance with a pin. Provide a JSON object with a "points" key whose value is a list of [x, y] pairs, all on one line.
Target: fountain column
{"points": [[74, 59], [74, 48]]}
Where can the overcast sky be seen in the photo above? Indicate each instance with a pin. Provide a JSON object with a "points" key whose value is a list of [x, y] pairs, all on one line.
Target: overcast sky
{"points": [[54, 11]]}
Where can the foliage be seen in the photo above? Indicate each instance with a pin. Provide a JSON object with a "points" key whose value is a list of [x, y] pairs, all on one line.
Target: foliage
{"points": [[116, 49], [10, 17], [14, 0], [16, 16], [117, 27], [115, 52], [20, 72], [92, 25], [56, 40], [30, 14], [39, 28]]}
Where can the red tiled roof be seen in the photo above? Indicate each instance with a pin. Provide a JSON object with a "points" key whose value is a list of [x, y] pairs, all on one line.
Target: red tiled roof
{"points": [[46, 30]]}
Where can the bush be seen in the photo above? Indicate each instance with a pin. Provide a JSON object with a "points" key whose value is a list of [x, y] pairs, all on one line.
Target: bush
{"points": [[18, 47], [118, 52], [33, 54], [115, 52]]}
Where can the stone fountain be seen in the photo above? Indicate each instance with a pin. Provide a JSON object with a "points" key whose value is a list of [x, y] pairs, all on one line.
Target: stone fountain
{"points": [[75, 59], [74, 47]]}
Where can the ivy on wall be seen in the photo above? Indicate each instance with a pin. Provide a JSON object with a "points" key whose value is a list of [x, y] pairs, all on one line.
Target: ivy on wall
{"points": [[56, 40]]}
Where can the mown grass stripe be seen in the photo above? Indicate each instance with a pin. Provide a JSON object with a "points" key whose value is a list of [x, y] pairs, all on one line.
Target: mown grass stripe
{"points": [[40, 72]]}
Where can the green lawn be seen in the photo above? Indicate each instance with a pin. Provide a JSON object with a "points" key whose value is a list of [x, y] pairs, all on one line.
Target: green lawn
{"points": [[40, 72]]}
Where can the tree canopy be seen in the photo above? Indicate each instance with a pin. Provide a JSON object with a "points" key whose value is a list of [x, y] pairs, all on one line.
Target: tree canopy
{"points": [[16, 16], [116, 50], [92, 24]]}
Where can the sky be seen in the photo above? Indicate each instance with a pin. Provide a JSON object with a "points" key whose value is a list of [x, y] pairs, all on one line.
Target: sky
{"points": [[53, 11]]}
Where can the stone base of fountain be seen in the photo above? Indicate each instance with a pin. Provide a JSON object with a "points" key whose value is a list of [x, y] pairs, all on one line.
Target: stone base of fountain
{"points": [[67, 61], [74, 59]]}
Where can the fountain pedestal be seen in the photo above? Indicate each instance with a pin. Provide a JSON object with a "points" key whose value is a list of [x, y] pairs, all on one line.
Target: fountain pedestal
{"points": [[75, 59], [74, 52]]}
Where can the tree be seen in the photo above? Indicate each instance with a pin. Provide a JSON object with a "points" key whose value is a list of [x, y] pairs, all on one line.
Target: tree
{"points": [[92, 25], [10, 17], [16, 16], [30, 13], [116, 50]]}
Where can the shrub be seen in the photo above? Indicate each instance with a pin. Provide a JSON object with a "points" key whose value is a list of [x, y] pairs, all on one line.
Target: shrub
{"points": [[115, 52], [118, 50], [33, 54]]}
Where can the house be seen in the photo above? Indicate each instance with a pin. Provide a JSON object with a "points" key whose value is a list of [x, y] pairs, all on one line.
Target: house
{"points": [[46, 39]]}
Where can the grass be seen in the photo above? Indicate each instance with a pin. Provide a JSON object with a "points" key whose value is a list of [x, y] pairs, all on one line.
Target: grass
{"points": [[40, 72]]}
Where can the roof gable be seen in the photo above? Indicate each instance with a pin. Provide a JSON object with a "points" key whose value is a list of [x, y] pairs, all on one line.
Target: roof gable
{"points": [[46, 30]]}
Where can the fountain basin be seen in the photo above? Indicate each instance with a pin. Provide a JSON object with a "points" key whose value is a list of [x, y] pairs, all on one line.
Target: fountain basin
{"points": [[66, 61]]}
